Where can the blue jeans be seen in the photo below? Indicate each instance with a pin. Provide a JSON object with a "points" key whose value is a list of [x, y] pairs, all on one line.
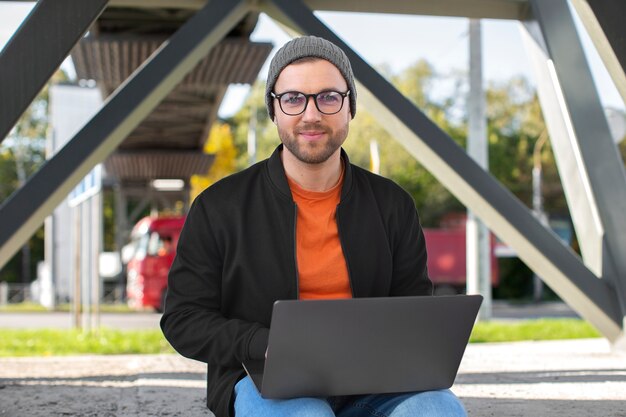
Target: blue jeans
{"points": [[248, 403]]}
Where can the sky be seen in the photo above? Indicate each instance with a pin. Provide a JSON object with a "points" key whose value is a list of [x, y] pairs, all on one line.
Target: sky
{"points": [[398, 41]]}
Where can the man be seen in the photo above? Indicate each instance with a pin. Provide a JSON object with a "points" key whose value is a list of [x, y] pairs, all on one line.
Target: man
{"points": [[304, 223]]}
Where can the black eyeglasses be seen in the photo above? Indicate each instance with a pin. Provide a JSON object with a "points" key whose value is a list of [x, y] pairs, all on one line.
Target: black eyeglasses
{"points": [[293, 103]]}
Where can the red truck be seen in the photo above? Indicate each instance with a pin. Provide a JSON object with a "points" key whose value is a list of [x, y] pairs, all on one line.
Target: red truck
{"points": [[153, 246], [447, 259], [152, 249]]}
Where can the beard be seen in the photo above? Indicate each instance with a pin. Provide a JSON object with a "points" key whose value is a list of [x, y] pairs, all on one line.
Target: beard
{"points": [[313, 152]]}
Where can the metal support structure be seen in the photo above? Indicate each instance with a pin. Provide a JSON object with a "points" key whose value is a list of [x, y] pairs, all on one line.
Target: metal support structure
{"points": [[538, 203], [583, 207], [539, 248], [488, 9], [27, 208], [604, 21], [122, 234], [478, 245], [596, 171], [37, 49]]}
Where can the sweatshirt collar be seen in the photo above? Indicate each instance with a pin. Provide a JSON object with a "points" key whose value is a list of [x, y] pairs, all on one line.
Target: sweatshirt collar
{"points": [[279, 178]]}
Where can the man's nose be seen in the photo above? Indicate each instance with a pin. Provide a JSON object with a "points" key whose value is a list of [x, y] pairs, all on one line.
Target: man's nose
{"points": [[311, 112]]}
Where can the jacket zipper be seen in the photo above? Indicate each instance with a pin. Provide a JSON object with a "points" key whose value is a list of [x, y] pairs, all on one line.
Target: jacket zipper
{"points": [[345, 254], [295, 250]]}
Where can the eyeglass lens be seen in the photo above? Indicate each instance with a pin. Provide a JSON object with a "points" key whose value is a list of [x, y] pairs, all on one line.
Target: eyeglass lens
{"points": [[327, 102]]}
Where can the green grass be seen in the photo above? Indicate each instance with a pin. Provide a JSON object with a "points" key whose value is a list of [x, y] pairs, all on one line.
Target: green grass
{"points": [[23, 308], [542, 329], [51, 342], [18, 342]]}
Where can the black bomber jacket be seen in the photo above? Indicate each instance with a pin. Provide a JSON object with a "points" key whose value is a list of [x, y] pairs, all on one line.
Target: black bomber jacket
{"points": [[236, 255]]}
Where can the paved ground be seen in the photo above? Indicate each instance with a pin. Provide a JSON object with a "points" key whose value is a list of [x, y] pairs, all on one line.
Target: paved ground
{"points": [[556, 378], [63, 320], [562, 378]]}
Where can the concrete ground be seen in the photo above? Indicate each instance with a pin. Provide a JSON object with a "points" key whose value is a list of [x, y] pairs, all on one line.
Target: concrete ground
{"points": [[550, 378], [556, 378]]}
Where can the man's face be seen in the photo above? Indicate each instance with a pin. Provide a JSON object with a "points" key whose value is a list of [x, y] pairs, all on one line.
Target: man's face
{"points": [[312, 137]]}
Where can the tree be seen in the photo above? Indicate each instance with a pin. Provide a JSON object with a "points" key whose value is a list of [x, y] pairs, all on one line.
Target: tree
{"points": [[515, 124], [432, 199], [21, 154], [253, 120], [220, 144]]}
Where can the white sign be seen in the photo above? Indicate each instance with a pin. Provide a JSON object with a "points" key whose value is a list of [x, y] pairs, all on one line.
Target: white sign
{"points": [[88, 187]]}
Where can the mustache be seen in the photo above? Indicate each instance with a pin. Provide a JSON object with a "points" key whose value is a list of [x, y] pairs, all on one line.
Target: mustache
{"points": [[307, 127]]}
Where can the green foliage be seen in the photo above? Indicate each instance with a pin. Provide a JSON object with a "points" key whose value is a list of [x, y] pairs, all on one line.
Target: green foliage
{"points": [[415, 83], [29, 307], [253, 114], [21, 154], [431, 197], [8, 174], [73, 342], [516, 280], [543, 329], [514, 125], [108, 217]]}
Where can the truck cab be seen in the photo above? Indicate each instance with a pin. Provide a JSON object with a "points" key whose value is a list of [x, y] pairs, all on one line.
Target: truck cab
{"points": [[149, 256]]}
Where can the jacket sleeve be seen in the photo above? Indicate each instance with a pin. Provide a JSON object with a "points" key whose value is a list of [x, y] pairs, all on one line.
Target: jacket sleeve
{"points": [[410, 272], [193, 321]]}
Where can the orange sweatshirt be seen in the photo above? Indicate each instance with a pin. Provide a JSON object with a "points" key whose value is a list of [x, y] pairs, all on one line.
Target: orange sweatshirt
{"points": [[322, 269]]}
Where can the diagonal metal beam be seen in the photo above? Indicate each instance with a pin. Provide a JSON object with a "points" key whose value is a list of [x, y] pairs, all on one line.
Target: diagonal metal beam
{"points": [[604, 21], [37, 49], [582, 204], [590, 143], [27, 208], [540, 249]]}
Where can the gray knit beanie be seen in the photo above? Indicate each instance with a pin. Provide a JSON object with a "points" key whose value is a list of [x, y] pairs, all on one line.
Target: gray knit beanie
{"points": [[309, 46]]}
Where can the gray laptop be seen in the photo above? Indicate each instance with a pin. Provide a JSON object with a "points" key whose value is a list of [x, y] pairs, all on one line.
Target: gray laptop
{"points": [[364, 345]]}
